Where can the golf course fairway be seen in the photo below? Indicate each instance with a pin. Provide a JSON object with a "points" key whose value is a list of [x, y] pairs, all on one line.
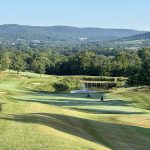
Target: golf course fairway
{"points": [[32, 119]]}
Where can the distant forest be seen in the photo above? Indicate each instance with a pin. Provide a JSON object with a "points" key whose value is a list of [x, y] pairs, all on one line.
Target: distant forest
{"points": [[129, 63]]}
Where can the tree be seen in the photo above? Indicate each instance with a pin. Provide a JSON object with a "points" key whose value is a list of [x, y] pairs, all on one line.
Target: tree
{"points": [[3, 61], [135, 76], [145, 72], [39, 65], [18, 62], [144, 53], [124, 62]]}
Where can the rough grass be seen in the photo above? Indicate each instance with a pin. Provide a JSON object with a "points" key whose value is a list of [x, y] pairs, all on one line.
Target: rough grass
{"points": [[36, 120]]}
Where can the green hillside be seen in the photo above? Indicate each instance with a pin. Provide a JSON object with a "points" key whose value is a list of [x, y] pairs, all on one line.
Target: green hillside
{"points": [[135, 41], [143, 36], [14, 32]]}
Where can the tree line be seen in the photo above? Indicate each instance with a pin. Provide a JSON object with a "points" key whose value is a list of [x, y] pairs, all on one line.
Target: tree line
{"points": [[132, 64]]}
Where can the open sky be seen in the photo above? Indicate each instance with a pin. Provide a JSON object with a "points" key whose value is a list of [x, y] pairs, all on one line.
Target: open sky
{"points": [[131, 14]]}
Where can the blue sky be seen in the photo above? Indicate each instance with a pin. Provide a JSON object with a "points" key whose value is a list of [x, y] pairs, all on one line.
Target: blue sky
{"points": [[133, 14]]}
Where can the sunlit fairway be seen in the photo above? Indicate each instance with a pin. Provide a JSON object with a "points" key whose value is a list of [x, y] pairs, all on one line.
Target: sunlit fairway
{"points": [[35, 120]]}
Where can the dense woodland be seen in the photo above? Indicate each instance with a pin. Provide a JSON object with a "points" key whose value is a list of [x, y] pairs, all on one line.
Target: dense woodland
{"points": [[132, 64]]}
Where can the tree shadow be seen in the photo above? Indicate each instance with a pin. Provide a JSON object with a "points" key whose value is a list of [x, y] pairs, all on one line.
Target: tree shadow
{"points": [[74, 104], [147, 108], [92, 100], [114, 136], [100, 111], [63, 98], [77, 101], [1, 106]]}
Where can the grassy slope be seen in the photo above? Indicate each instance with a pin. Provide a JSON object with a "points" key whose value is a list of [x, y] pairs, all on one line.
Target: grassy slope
{"points": [[36, 120]]}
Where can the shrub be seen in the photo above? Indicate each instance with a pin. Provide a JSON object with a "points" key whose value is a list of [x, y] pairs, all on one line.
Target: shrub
{"points": [[65, 84]]}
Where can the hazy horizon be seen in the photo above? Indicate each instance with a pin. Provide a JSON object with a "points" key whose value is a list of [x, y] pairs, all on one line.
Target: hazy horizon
{"points": [[72, 26]]}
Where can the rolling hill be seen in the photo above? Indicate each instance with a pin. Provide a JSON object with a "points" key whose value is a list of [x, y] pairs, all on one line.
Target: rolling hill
{"points": [[133, 42], [14, 32], [143, 36]]}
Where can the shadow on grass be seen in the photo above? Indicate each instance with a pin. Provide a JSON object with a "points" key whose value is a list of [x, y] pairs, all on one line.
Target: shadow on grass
{"points": [[62, 98], [73, 101], [114, 136], [99, 111], [74, 104], [64, 101]]}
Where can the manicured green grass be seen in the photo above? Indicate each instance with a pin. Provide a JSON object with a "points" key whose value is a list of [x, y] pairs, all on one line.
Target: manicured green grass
{"points": [[36, 120]]}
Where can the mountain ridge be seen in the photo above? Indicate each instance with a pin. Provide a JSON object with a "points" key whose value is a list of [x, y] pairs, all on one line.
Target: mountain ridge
{"points": [[13, 32]]}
